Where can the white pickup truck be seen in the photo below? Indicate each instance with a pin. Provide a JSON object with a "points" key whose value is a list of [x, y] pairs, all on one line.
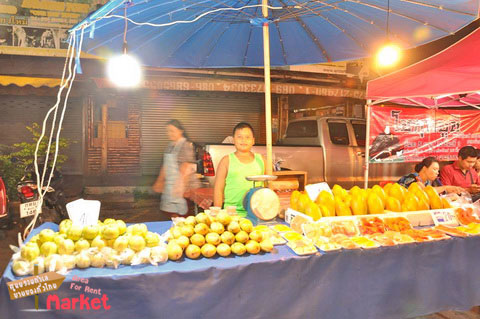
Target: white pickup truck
{"points": [[329, 149]]}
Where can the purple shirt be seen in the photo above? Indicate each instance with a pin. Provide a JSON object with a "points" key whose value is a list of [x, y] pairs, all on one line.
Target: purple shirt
{"points": [[453, 175]]}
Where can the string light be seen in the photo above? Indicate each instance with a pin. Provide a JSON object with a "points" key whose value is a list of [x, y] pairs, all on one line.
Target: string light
{"points": [[390, 53], [124, 70]]}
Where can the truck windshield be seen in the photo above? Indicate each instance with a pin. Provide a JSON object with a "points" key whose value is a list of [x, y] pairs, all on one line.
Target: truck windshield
{"points": [[303, 129], [360, 130]]}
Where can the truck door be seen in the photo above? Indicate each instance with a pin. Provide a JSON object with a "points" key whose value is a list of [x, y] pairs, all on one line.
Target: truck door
{"points": [[359, 131], [339, 154]]}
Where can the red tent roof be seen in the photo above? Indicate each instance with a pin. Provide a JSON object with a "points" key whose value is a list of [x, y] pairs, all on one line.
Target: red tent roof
{"points": [[442, 79]]}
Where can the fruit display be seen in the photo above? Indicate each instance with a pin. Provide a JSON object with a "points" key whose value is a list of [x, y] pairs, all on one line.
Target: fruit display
{"points": [[344, 241], [471, 229], [108, 244], [365, 242], [375, 200], [281, 228], [207, 236], [302, 247], [313, 230], [451, 231], [465, 215], [382, 239], [324, 243], [397, 223], [297, 222], [292, 236], [345, 227], [268, 232], [371, 225], [426, 234]]}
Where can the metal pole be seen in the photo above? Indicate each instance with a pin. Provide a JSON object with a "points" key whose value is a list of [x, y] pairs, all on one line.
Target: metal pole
{"points": [[268, 94], [367, 143]]}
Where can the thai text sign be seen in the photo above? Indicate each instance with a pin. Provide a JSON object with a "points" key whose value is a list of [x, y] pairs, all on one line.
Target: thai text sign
{"points": [[400, 134], [30, 286]]}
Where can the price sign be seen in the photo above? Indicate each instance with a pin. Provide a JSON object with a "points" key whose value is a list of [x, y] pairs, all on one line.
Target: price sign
{"points": [[444, 217], [314, 189]]}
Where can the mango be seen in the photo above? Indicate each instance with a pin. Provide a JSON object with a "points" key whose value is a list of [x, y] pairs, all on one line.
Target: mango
{"points": [[358, 205], [375, 204], [313, 211], [393, 204]]}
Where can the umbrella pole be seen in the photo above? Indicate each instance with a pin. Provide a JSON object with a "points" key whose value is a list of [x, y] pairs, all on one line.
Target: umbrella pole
{"points": [[268, 93], [367, 144]]}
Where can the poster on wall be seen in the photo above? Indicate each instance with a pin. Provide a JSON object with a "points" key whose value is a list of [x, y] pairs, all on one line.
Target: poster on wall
{"points": [[29, 25], [401, 134]]}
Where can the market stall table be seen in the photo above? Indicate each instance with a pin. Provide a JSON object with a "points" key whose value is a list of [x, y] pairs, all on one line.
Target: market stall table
{"points": [[388, 282]]}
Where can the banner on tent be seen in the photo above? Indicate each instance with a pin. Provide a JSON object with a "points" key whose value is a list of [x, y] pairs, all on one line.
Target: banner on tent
{"points": [[399, 134]]}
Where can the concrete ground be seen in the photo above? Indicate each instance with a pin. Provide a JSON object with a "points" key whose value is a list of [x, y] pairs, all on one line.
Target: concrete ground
{"points": [[143, 207]]}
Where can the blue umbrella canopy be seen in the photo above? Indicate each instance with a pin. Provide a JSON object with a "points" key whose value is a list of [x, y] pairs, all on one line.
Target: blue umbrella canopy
{"points": [[228, 33]]}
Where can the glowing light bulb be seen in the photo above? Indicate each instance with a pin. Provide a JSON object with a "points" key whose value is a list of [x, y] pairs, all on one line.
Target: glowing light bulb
{"points": [[124, 71], [388, 55]]}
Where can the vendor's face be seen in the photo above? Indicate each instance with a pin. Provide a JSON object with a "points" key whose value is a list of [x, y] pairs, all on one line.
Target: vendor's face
{"points": [[467, 163], [174, 134], [432, 171], [477, 164], [243, 139]]}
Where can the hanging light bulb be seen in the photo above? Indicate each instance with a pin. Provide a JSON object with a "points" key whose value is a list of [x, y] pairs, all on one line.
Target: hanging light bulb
{"points": [[124, 71], [388, 55]]}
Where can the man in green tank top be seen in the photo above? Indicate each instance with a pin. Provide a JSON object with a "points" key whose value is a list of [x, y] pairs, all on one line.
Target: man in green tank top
{"points": [[230, 183]]}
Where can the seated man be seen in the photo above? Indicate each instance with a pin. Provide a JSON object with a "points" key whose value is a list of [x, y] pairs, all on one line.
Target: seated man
{"points": [[461, 172]]}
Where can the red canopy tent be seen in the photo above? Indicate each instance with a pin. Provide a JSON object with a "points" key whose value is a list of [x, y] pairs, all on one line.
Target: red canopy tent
{"points": [[447, 79]]}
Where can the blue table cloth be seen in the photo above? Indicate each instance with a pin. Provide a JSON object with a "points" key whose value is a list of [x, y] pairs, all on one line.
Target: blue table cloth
{"points": [[387, 282]]}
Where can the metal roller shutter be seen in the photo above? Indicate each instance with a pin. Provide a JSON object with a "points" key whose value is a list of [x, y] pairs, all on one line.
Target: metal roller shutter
{"points": [[21, 111], [207, 117]]}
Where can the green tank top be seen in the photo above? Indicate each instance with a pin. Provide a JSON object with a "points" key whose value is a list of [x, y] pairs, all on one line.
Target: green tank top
{"points": [[236, 186]]}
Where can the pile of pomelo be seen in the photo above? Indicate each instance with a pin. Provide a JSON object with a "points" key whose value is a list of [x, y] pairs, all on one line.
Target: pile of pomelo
{"points": [[375, 200], [205, 235], [107, 244]]}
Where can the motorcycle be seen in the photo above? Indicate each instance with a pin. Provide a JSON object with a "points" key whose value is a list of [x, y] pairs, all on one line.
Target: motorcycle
{"points": [[53, 208]]}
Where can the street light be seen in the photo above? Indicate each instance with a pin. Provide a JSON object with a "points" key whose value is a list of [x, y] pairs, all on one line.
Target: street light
{"points": [[124, 71], [388, 55]]}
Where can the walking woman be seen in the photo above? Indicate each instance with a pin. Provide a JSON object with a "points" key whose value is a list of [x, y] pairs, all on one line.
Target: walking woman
{"points": [[176, 176]]}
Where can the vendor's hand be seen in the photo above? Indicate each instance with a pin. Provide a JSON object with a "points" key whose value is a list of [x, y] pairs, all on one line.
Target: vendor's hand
{"points": [[473, 189], [454, 189], [158, 186]]}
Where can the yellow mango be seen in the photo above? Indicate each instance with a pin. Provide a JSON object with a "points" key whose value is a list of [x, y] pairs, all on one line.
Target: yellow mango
{"points": [[294, 199], [313, 211], [386, 187], [325, 211], [410, 202], [337, 190], [303, 201], [435, 201], [355, 190], [380, 192], [327, 199], [341, 209], [396, 191], [375, 204], [423, 197], [414, 187], [393, 204], [358, 205], [446, 203]]}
